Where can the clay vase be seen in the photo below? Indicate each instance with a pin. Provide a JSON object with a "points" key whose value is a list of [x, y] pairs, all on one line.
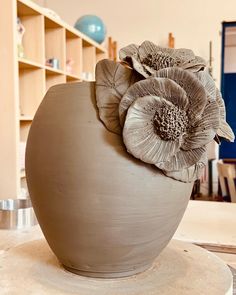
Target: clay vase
{"points": [[103, 212]]}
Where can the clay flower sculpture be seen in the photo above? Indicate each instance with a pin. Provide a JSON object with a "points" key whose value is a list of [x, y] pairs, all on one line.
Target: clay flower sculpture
{"points": [[148, 58], [168, 118]]}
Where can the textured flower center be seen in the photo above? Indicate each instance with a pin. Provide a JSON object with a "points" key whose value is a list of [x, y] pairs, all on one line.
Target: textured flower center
{"points": [[170, 122], [159, 60]]}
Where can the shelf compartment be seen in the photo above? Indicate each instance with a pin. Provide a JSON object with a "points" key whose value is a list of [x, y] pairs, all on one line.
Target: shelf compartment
{"points": [[31, 89], [24, 130], [54, 79], [55, 42], [89, 61], [73, 53], [100, 55], [33, 23], [25, 10], [24, 187]]}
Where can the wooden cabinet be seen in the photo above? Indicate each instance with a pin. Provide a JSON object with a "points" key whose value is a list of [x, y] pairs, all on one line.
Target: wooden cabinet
{"points": [[27, 76]]}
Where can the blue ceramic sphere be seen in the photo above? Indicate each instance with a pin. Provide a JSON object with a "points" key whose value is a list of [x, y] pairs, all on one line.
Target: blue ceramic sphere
{"points": [[92, 26]]}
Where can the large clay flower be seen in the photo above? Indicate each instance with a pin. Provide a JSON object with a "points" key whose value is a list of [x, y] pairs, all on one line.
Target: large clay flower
{"points": [[148, 58], [169, 120]]}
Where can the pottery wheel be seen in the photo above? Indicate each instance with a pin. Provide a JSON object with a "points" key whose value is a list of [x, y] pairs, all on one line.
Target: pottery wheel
{"points": [[182, 268]]}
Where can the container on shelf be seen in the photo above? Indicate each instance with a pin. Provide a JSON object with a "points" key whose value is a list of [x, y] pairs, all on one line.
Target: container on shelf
{"points": [[16, 214]]}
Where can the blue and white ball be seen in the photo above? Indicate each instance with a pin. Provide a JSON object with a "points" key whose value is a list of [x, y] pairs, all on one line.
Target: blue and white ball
{"points": [[92, 26]]}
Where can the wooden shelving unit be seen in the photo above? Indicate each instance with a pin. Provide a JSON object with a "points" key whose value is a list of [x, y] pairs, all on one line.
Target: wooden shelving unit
{"points": [[27, 78]]}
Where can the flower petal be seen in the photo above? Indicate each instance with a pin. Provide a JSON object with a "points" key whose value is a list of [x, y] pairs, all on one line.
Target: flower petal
{"points": [[128, 51], [205, 129], [112, 81], [161, 87], [189, 174], [184, 54], [195, 65], [138, 67], [207, 81], [195, 91], [154, 58], [131, 56], [224, 130], [167, 57], [148, 47], [182, 159], [148, 58], [139, 135]]}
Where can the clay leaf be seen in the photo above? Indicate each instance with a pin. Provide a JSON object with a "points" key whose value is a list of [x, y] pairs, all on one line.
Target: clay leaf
{"points": [[190, 174], [112, 81]]}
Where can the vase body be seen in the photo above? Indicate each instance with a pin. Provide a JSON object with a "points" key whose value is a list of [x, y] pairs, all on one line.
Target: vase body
{"points": [[103, 212]]}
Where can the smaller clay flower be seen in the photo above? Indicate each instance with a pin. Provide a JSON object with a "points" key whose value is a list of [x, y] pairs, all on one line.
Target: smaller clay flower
{"points": [[148, 58]]}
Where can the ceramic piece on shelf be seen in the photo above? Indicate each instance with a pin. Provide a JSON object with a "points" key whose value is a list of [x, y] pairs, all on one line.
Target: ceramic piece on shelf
{"points": [[92, 26], [69, 65], [19, 40], [103, 212], [53, 62], [87, 76]]}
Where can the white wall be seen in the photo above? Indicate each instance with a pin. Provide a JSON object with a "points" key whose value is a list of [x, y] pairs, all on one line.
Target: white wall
{"points": [[193, 22]]}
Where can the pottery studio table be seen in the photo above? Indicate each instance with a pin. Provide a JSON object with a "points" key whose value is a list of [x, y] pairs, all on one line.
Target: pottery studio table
{"points": [[27, 265]]}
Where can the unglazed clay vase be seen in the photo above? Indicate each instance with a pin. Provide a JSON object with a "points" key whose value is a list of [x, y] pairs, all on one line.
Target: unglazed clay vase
{"points": [[103, 212]]}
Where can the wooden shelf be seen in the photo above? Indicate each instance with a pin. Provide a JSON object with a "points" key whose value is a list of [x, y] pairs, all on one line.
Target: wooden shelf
{"points": [[28, 64], [53, 71], [27, 77], [32, 8], [70, 78], [22, 174], [26, 118]]}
